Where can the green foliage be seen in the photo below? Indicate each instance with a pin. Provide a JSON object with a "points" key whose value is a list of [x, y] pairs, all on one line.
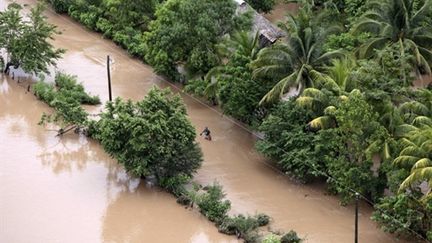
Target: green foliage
{"points": [[262, 219], [66, 98], [288, 141], [150, 137], [290, 237], [346, 41], [262, 5], [123, 21], [27, 41], [399, 22], [196, 86], [186, 31], [68, 86], [385, 77], [271, 238], [397, 214], [240, 93], [242, 226], [60, 6], [291, 63], [212, 205]]}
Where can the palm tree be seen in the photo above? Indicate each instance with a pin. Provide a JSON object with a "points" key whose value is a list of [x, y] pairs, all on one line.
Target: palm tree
{"points": [[293, 61], [417, 155], [241, 43], [399, 21]]}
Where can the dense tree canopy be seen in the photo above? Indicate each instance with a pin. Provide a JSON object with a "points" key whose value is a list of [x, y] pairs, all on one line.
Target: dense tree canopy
{"points": [[405, 22], [150, 137], [293, 62], [186, 32]]}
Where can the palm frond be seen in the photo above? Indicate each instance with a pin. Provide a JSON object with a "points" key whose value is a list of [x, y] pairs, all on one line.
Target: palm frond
{"points": [[279, 89], [305, 101], [412, 151], [421, 121], [404, 130], [366, 50], [321, 122], [405, 160], [422, 163], [414, 107], [423, 174]]}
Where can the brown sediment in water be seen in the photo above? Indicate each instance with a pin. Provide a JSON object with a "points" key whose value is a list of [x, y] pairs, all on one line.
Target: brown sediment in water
{"points": [[70, 189], [280, 11]]}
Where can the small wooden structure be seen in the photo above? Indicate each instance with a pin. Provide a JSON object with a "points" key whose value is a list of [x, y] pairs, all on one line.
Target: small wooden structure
{"points": [[268, 32]]}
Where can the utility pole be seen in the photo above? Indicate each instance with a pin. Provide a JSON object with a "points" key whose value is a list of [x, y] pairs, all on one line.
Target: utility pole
{"points": [[109, 78], [357, 195]]}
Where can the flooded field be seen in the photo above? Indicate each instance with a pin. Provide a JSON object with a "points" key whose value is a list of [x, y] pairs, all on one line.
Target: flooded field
{"points": [[69, 190]]}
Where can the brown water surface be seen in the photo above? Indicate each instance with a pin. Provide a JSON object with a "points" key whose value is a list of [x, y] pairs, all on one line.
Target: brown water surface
{"points": [[280, 11], [68, 190]]}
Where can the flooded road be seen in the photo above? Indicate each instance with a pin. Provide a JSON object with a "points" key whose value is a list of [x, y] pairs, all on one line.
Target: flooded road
{"points": [[69, 190], [280, 11]]}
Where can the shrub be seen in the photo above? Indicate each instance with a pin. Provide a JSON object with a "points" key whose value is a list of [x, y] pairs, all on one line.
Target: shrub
{"points": [[290, 237], [262, 219], [239, 225], [68, 85], [399, 214], [271, 238], [151, 137], [212, 205]]}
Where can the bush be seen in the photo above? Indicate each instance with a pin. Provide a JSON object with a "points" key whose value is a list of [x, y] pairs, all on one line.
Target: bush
{"points": [[399, 214], [290, 237], [271, 238], [68, 111], [212, 205], [288, 142], [239, 225], [151, 137], [262, 219], [68, 85]]}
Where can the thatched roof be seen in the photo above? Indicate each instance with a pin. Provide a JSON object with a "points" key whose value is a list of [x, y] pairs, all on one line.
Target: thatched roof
{"points": [[261, 24]]}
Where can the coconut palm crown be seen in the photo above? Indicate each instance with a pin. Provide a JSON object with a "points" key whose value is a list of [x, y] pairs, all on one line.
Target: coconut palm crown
{"points": [[399, 21], [291, 61]]}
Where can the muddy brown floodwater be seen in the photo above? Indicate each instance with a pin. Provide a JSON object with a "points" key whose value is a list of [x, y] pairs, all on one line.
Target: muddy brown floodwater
{"points": [[280, 11], [69, 190]]}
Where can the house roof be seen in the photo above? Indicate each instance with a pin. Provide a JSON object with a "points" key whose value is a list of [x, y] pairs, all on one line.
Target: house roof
{"points": [[260, 23]]}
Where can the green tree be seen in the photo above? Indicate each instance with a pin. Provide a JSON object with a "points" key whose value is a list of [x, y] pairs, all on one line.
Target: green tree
{"points": [[401, 22], [288, 141], [292, 63], [416, 155], [150, 137], [402, 214], [27, 41], [186, 31]]}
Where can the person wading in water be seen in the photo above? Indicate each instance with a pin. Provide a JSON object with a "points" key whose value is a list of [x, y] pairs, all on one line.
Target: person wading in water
{"points": [[206, 133]]}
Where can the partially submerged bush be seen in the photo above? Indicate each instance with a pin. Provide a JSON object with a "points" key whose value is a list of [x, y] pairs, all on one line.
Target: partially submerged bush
{"points": [[151, 137], [262, 219], [290, 237], [69, 85], [212, 205]]}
